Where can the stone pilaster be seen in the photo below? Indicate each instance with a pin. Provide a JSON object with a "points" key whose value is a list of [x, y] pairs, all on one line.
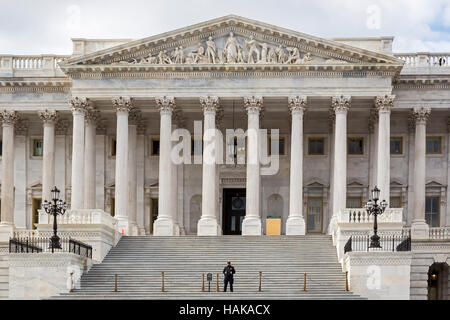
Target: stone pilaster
{"points": [[49, 118], [384, 105], [295, 224], [252, 221], [340, 105], [419, 227], [91, 119], [165, 224], [123, 106], [133, 120], [79, 108], [208, 224]]}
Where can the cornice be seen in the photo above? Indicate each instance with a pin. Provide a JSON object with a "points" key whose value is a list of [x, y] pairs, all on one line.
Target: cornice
{"points": [[50, 85]]}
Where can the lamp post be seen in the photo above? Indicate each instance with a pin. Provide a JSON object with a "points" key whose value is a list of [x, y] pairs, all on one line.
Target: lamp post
{"points": [[54, 208], [373, 208]]}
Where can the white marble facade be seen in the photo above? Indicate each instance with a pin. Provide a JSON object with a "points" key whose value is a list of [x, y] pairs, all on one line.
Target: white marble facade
{"points": [[230, 73]]}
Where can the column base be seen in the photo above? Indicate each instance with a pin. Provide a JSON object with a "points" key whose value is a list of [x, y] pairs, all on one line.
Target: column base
{"points": [[420, 230], [252, 226], [165, 227], [123, 226], [133, 230], [295, 226], [6, 232], [208, 227]]}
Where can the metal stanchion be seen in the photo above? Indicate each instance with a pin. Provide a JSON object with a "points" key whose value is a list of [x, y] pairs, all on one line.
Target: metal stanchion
{"points": [[346, 281], [162, 281], [217, 282], [304, 282], [115, 283], [260, 280], [203, 282]]}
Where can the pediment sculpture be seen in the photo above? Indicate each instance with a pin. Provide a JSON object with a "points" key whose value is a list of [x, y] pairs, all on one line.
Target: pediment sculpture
{"points": [[250, 51]]}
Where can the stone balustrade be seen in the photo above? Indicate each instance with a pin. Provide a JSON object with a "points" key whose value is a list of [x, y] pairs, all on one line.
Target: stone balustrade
{"points": [[425, 59], [440, 233], [360, 215], [80, 216], [31, 66]]}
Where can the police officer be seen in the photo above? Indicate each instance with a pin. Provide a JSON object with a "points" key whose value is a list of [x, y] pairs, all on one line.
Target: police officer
{"points": [[228, 271]]}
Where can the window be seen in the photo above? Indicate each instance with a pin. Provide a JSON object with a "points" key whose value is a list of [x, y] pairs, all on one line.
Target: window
{"points": [[315, 146], [355, 146], [273, 145], [1, 147], [432, 211], [113, 206], [196, 147], [434, 145], [113, 147], [38, 147], [354, 202], [397, 145], [153, 212], [154, 147], [37, 203], [395, 202]]}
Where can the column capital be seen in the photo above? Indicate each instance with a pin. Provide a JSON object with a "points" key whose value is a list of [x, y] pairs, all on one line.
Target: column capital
{"points": [[373, 119], [384, 103], [122, 104], [134, 117], [92, 116], [165, 104], [297, 104], [9, 117], [421, 114], [341, 103], [48, 116], [61, 127], [253, 104], [210, 104], [79, 104], [141, 127]]}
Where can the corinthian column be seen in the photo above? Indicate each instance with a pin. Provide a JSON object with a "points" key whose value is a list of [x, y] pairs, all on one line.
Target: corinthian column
{"points": [[340, 106], [251, 226], [134, 118], [384, 105], [123, 107], [295, 224], [419, 227], [9, 119], [49, 117], [165, 224], [208, 225], [79, 107], [91, 118]]}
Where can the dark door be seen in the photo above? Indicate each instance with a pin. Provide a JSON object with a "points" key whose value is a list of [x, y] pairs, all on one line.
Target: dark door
{"points": [[233, 211]]}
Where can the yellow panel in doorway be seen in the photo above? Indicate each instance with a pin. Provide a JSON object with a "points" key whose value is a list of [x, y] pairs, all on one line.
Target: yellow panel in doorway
{"points": [[273, 226]]}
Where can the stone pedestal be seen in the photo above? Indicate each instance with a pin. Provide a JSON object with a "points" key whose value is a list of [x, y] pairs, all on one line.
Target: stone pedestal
{"points": [[419, 230], [252, 226], [295, 226], [6, 232], [165, 227], [208, 227]]}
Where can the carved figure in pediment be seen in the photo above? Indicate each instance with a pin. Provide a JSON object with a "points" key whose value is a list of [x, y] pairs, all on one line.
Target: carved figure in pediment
{"points": [[198, 55], [263, 53], [252, 46], [178, 55], [163, 58], [334, 61], [211, 53], [221, 57], [281, 55], [294, 55], [149, 60], [307, 58], [231, 49], [272, 56], [240, 56]]}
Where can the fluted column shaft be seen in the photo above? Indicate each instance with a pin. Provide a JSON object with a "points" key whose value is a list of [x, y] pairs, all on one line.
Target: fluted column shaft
{"points": [[384, 105], [252, 222], [208, 225], [49, 118], [79, 107], [295, 225], [89, 161], [8, 119]]}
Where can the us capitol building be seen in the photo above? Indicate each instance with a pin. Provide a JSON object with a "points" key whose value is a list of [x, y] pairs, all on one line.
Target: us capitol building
{"points": [[349, 115]]}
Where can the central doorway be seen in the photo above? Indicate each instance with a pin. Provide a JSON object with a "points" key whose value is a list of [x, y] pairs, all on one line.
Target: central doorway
{"points": [[234, 201]]}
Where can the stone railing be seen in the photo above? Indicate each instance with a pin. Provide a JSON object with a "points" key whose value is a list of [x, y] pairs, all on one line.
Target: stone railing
{"points": [[31, 66], [24, 233], [93, 216], [425, 59], [360, 215], [440, 233]]}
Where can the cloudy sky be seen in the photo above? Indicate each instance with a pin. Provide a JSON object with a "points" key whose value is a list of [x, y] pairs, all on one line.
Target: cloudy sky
{"points": [[46, 26]]}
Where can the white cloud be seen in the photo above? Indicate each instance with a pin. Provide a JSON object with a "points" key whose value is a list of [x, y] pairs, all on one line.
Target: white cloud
{"points": [[45, 26]]}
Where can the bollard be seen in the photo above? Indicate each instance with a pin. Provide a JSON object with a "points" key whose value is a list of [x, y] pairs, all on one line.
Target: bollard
{"points": [[203, 282], [304, 282], [115, 283], [260, 280], [346, 281], [217, 282], [162, 281]]}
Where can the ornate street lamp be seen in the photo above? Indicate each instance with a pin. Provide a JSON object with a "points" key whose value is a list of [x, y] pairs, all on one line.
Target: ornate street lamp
{"points": [[54, 208], [373, 208]]}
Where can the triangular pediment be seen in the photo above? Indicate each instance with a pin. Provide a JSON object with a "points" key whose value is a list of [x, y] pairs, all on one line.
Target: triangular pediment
{"points": [[230, 40]]}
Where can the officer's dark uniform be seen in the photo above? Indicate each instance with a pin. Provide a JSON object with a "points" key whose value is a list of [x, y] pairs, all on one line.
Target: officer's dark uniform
{"points": [[228, 271]]}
